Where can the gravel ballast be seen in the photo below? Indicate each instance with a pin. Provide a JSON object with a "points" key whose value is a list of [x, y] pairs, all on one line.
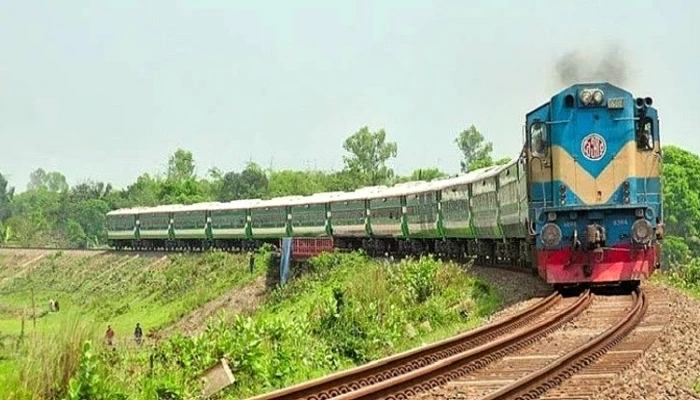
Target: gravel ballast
{"points": [[670, 366], [668, 369], [519, 289]]}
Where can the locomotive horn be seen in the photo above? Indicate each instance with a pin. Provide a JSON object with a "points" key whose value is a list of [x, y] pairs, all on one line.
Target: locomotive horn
{"points": [[639, 103], [648, 101]]}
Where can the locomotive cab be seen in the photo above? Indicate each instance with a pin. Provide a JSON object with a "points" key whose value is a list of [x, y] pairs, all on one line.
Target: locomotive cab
{"points": [[594, 185]]}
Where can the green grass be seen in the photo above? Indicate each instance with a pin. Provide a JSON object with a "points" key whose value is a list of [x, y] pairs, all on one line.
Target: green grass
{"points": [[95, 290], [342, 311], [345, 311]]}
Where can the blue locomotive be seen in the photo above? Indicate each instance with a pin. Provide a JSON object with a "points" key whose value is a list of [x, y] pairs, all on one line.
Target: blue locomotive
{"points": [[594, 185]]}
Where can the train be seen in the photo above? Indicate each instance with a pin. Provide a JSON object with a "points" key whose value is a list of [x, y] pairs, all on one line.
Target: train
{"points": [[580, 205]]}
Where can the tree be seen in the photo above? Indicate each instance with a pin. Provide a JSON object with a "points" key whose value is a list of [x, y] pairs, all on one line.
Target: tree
{"points": [[299, 183], [251, 183], [503, 161], [188, 191], [681, 189], [181, 165], [144, 192], [424, 174], [477, 152], [51, 181], [90, 190], [37, 179], [6, 195], [340, 181], [56, 182], [37, 216], [89, 215], [369, 154]]}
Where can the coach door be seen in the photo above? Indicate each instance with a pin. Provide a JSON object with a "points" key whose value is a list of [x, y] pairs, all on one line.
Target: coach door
{"points": [[539, 156]]}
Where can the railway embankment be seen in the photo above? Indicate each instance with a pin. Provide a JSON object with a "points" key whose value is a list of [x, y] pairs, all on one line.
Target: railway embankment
{"points": [[344, 310], [51, 302]]}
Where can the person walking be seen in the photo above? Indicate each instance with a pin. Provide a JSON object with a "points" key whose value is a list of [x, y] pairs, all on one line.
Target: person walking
{"points": [[109, 335], [138, 334]]}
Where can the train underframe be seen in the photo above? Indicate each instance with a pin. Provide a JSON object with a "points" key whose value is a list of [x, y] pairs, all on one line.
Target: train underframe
{"points": [[561, 268], [512, 252]]}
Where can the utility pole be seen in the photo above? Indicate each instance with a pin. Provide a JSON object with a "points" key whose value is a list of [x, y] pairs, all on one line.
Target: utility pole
{"points": [[31, 289], [33, 308]]}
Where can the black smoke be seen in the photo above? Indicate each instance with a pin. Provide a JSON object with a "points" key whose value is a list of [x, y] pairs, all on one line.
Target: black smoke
{"points": [[580, 66]]}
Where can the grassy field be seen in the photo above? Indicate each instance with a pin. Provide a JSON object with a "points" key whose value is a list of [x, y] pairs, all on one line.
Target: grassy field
{"points": [[95, 290], [342, 311]]}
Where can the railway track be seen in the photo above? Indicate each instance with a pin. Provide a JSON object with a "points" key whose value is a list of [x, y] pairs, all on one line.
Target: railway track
{"points": [[524, 356], [581, 347]]}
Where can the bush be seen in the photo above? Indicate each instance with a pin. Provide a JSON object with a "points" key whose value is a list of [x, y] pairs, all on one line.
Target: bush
{"points": [[674, 252]]}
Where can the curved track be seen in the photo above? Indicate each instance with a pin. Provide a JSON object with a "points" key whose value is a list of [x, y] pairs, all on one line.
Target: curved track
{"points": [[510, 354], [426, 367], [553, 374]]}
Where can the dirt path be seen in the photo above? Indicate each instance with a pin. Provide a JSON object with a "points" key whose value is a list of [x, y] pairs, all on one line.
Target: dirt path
{"points": [[235, 301]]}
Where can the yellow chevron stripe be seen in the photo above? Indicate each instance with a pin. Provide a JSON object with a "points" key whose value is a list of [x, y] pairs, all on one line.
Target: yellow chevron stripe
{"points": [[628, 162]]}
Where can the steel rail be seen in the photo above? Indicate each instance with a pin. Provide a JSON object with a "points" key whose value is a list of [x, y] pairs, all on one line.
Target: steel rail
{"points": [[552, 375]]}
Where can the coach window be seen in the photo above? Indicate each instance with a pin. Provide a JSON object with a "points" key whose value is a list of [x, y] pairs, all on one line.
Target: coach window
{"points": [[645, 136], [538, 139]]}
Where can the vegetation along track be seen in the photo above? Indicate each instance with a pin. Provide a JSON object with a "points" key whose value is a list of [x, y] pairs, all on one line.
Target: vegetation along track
{"points": [[420, 369]]}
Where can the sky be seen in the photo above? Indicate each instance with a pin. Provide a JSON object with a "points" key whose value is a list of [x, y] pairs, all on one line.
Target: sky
{"points": [[107, 92]]}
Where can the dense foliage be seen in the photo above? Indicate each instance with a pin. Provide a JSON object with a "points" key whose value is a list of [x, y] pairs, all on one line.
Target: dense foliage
{"points": [[681, 248], [51, 213]]}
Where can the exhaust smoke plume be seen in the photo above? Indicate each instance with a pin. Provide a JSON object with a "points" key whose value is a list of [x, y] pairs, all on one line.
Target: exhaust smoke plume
{"points": [[589, 66]]}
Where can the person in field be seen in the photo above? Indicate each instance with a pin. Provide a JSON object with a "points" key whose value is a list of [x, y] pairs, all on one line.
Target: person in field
{"points": [[138, 334], [109, 335]]}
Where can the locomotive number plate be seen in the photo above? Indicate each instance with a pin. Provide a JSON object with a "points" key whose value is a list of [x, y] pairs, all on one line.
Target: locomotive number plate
{"points": [[618, 102]]}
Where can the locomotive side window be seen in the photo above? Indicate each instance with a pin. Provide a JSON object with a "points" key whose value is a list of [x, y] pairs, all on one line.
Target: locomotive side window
{"points": [[538, 139], [645, 135], [569, 101]]}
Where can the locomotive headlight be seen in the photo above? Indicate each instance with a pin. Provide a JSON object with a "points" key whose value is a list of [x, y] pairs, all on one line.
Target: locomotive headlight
{"points": [[551, 235], [586, 97], [552, 216], [598, 96], [642, 231]]}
